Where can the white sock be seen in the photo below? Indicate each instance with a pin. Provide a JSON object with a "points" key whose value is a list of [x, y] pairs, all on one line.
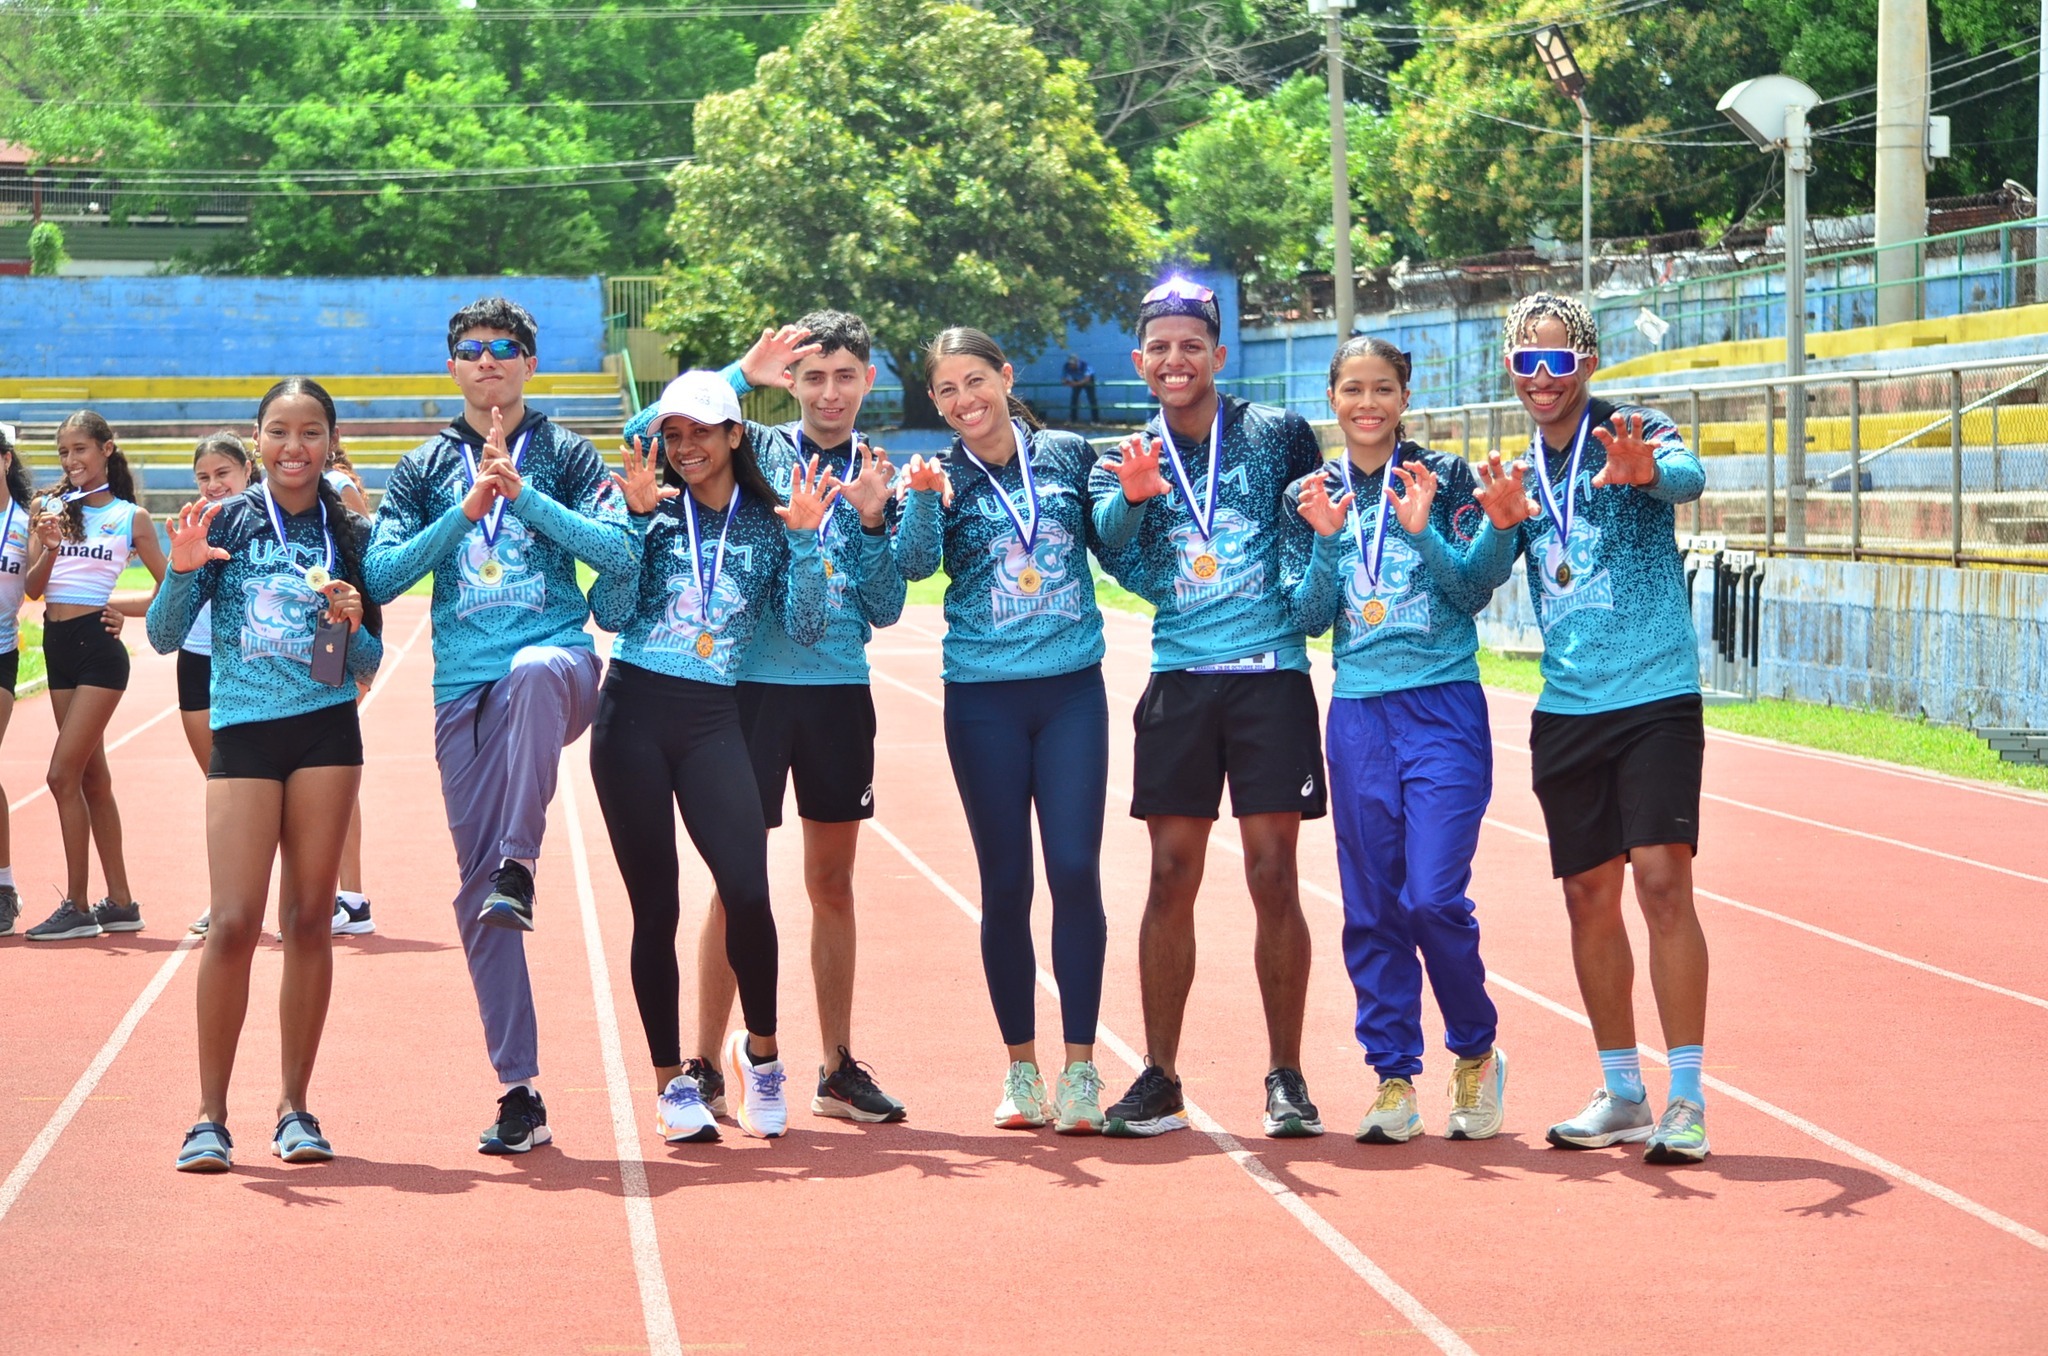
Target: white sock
{"points": [[7, 877], [352, 899], [526, 1083]]}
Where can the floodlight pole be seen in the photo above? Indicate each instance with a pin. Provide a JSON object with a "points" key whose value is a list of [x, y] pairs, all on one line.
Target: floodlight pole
{"points": [[1798, 163], [1341, 275]]}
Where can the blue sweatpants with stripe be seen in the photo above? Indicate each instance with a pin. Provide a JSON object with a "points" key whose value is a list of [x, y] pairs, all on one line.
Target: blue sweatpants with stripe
{"points": [[1410, 777]]}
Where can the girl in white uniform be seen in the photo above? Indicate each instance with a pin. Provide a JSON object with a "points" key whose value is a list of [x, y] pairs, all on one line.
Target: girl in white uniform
{"points": [[85, 530], [14, 537]]}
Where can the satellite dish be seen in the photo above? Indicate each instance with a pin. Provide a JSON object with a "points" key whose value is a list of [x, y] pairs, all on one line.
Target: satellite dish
{"points": [[1758, 106]]}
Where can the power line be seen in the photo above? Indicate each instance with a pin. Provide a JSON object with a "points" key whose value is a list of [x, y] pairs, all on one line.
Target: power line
{"points": [[394, 101], [756, 9], [1663, 139]]}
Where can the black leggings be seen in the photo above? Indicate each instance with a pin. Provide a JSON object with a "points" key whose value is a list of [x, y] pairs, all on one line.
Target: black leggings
{"points": [[655, 737]]}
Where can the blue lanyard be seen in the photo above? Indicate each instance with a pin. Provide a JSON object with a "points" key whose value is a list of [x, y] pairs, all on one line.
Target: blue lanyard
{"points": [[1560, 514], [496, 516], [1371, 555], [852, 465], [1203, 513], [707, 581], [276, 513], [1027, 529]]}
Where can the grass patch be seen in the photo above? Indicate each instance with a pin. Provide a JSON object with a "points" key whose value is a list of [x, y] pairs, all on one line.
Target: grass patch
{"points": [[1833, 729], [31, 647], [1108, 593]]}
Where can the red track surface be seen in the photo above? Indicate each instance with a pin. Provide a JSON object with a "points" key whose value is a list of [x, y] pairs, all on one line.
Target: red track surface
{"points": [[1873, 1112]]}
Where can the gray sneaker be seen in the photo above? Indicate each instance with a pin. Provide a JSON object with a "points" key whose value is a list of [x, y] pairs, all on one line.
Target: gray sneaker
{"points": [[1681, 1135], [69, 921], [114, 917], [1606, 1120], [10, 909]]}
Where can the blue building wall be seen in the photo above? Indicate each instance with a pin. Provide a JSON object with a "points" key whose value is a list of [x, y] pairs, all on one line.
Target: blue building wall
{"points": [[191, 326]]}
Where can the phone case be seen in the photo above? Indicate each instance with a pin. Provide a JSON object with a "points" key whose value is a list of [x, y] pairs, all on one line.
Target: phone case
{"points": [[330, 653]]}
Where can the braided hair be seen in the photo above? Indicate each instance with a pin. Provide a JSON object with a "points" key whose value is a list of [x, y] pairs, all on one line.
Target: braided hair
{"points": [[1579, 326], [347, 549], [119, 478]]}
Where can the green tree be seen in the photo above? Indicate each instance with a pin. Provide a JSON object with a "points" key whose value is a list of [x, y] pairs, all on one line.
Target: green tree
{"points": [[922, 164], [46, 253]]}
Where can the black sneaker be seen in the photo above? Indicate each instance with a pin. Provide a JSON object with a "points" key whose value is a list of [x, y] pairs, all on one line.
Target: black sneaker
{"points": [[710, 1084], [10, 909], [114, 917], [1289, 1112], [69, 921], [510, 903], [1153, 1106], [522, 1123], [849, 1092]]}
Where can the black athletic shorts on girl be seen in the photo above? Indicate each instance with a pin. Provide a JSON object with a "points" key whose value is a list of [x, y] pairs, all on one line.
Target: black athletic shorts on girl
{"points": [[78, 652], [272, 750], [10, 669], [1258, 731], [1614, 780], [822, 736], [195, 681]]}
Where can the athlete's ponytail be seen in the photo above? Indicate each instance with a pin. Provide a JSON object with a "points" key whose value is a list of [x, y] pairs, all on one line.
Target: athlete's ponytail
{"points": [[119, 478]]}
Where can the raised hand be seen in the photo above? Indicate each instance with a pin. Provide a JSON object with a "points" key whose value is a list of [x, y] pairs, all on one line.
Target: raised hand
{"points": [[1502, 495], [189, 548], [811, 496], [497, 462], [48, 525], [1630, 459], [930, 475], [768, 362], [481, 496], [1137, 467], [641, 484], [1318, 510], [1418, 493], [868, 491], [344, 603]]}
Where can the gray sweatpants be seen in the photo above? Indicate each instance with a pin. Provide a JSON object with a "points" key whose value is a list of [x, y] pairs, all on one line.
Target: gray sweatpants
{"points": [[498, 748]]}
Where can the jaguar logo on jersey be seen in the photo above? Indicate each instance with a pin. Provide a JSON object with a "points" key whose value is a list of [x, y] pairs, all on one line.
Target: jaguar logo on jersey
{"points": [[499, 575], [684, 625], [1036, 582], [1571, 581], [1216, 568], [1374, 611], [279, 612]]}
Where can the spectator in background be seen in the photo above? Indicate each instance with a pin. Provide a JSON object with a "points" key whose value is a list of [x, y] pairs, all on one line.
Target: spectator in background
{"points": [[1078, 376]]}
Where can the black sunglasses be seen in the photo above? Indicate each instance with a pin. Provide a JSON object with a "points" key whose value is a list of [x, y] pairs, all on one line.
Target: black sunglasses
{"points": [[504, 350]]}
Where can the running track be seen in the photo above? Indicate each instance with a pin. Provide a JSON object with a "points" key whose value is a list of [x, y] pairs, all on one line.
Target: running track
{"points": [[1880, 1002]]}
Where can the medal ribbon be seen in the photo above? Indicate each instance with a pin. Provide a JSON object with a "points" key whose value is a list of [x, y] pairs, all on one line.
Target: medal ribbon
{"points": [[1372, 554], [496, 516], [1203, 513], [852, 470], [1560, 515], [707, 582], [73, 496], [7, 526], [1027, 529], [276, 513]]}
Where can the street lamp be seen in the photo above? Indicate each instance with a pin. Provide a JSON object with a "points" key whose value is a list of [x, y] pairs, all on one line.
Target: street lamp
{"points": [[1771, 111], [1340, 168], [1571, 83]]}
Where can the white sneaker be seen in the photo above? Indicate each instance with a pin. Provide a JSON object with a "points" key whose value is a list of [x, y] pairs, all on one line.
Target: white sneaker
{"points": [[1024, 1102], [754, 1091], [1478, 1087], [352, 920], [200, 924], [680, 1115], [1393, 1118]]}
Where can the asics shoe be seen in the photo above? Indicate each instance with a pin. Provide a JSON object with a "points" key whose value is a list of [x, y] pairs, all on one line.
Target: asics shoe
{"points": [[1289, 1112], [756, 1090], [352, 920], [10, 909], [522, 1123], [1153, 1106], [680, 1115], [510, 902], [1607, 1120], [207, 1148], [1077, 1100], [1393, 1118], [1681, 1135], [114, 917], [297, 1139], [69, 921], [850, 1093], [710, 1084], [1477, 1089], [1024, 1102]]}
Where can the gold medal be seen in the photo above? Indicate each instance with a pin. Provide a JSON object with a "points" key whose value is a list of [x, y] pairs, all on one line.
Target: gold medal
{"points": [[1205, 566], [705, 644], [491, 572], [1374, 612], [1564, 576], [318, 577], [1031, 580], [828, 567]]}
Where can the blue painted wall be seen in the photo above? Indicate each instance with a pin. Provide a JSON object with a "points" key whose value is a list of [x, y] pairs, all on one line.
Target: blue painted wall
{"points": [[190, 326]]}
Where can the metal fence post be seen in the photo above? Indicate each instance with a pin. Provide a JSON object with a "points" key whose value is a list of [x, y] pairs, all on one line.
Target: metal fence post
{"points": [[1997, 454], [1427, 440], [1699, 505], [1492, 430], [1855, 469], [1955, 464], [1770, 465]]}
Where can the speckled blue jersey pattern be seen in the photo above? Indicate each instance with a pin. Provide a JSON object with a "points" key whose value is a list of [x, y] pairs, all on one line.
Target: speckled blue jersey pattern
{"points": [[1011, 612], [665, 622], [565, 512], [264, 614], [1218, 598]]}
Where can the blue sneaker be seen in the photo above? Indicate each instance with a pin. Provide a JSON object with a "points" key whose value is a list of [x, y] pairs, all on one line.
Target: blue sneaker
{"points": [[297, 1139], [510, 903], [207, 1148]]}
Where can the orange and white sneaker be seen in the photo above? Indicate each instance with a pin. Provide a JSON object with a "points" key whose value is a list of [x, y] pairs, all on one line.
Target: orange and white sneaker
{"points": [[1024, 1104], [680, 1113], [754, 1091]]}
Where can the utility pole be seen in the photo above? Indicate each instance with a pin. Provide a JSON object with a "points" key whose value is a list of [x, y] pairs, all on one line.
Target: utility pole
{"points": [[2041, 166], [1901, 154], [1798, 164], [1340, 167]]}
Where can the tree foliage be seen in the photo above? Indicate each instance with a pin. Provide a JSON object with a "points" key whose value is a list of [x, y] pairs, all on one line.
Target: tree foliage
{"points": [[919, 163], [46, 253]]}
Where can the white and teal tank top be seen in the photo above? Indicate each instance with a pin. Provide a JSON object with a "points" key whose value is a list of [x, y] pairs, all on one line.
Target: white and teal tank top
{"points": [[85, 571], [13, 572]]}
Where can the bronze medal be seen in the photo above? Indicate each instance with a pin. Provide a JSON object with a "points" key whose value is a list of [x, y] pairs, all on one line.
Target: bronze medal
{"points": [[1030, 580], [1205, 566], [705, 644], [1564, 576], [1374, 612], [491, 573], [828, 567]]}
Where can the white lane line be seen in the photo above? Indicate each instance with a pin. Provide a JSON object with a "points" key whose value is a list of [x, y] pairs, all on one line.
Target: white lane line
{"points": [[1428, 1324], [893, 681], [391, 663], [655, 1308], [39, 1149], [44, 789]]}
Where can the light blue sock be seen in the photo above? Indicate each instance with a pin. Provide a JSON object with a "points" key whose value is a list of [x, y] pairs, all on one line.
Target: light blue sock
{"points": [[1685, 1073], [1623, 1072]]}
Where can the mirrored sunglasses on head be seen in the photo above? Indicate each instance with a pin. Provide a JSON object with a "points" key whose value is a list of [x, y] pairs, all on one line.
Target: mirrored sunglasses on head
{"points": [[470, 350], [1182, 288], [1559, 362]]}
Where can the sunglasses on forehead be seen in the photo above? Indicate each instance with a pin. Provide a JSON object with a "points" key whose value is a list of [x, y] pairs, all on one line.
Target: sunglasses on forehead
{"points": [[1559, 362], [1179, 287], [470, 350]]}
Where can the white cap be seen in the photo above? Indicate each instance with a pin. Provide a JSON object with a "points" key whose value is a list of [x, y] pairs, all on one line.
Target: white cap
{"points": [[703, 396]]}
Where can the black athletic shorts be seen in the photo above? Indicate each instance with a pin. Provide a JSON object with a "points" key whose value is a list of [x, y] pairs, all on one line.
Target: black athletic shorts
{"points": [[1616, 780], [272, 750], [78, 652], [195, 681], [820, 735], [1258, 730], [10, 669]]}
